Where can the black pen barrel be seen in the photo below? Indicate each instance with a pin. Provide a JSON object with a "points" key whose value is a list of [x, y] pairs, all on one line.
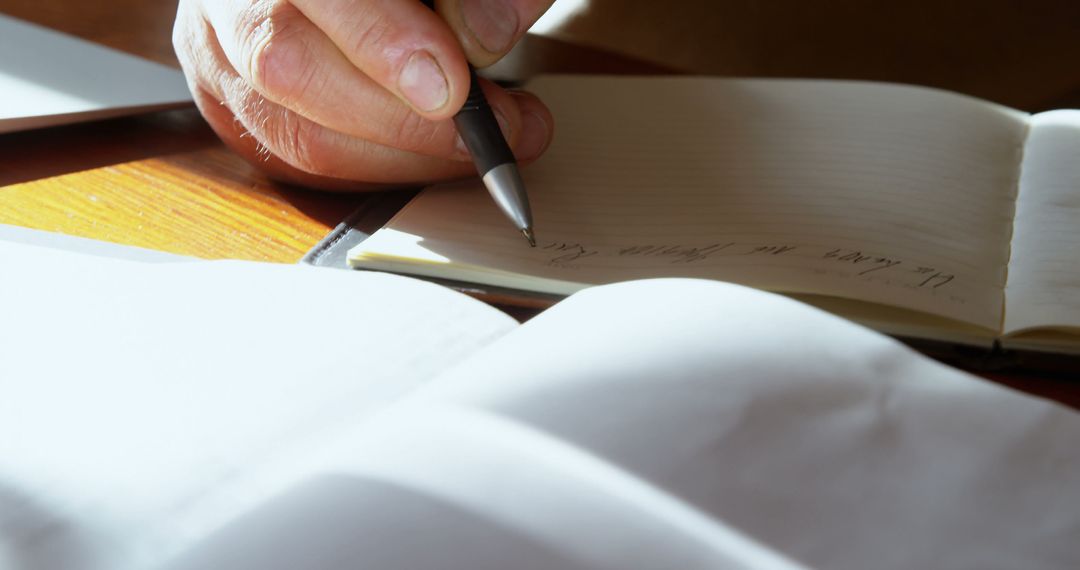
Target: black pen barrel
{"points": [[478, 128]]}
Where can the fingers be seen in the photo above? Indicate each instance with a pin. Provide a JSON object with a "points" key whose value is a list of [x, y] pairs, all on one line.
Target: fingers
{"points": [[292, 149], [536, 126], [291, 62], [300, 143], [311, 156], [233, 133], [281, 90], [400, 44], [487, 29]]}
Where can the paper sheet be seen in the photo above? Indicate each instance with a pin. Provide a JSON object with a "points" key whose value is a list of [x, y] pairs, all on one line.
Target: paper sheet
{"points": [[48, 78], [457, 490], [831, 444], [889, 194], [1044, 276], [143, 405], [685, 424], [656, 424]]}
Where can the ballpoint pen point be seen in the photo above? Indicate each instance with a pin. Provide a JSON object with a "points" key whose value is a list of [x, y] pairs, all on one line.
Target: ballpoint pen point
{"points": [[528, 233]]}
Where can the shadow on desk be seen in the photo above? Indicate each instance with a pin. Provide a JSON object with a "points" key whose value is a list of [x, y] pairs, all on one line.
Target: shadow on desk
{"points": [[45, 153]]}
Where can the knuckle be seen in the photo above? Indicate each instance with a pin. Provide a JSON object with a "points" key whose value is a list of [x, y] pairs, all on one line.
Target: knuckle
{"points": [[372, 33], [412, 132], [285, 135], [275, 56], [253, 23], [300, 143]]}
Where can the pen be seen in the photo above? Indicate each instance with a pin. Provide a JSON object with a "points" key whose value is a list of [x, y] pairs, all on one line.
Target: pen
{"points": [[494, 160]]}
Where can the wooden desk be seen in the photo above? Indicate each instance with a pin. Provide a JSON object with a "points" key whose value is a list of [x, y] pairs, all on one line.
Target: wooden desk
{"points": [[165, 182]]}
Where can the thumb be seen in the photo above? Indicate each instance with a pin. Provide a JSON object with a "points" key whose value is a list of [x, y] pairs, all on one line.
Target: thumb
{"points": [[487, 29]]}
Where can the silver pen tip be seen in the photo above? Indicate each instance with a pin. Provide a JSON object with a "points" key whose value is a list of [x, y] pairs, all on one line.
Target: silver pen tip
{"points": [[528, 233]]}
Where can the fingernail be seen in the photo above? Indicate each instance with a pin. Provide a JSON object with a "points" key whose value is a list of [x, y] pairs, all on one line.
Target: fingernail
{"points": [[422, 82], [535, 134], [493, 23]]}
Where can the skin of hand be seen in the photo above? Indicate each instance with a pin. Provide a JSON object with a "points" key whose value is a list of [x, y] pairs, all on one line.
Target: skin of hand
{"points": [[354, 94]]}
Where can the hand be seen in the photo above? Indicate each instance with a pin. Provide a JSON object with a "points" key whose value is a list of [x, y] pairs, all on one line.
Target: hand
{"points": [[354, 94]]}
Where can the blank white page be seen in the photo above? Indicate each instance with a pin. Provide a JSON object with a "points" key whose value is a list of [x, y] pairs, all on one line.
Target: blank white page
{"points": [[829, 443], [881, 193], [143, 405], [433, 488], [1044, 274]]}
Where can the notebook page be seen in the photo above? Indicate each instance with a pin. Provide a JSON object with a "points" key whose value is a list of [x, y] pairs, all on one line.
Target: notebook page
{"points": [[1044, 275], [811, 435], [880, 193], [425, 487], [143, 405]]}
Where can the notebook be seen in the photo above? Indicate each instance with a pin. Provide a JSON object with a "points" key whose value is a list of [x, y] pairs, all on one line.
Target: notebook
{"points": [[919, 212], [219, 414], [48, 78]]}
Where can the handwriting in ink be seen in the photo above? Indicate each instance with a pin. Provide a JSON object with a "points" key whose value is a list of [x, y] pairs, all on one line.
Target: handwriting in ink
{"points": [[677, 253], [855, 257], [771, 250], [886, 270], [934, 277], [568, 252]]}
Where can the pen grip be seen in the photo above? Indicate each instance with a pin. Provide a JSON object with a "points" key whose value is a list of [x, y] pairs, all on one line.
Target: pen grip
{"points": [[478, 128]]}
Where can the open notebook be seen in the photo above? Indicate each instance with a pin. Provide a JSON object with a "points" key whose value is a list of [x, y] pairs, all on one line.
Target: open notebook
{"points": [[48, 78], [919, 212], [236, 415]]}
